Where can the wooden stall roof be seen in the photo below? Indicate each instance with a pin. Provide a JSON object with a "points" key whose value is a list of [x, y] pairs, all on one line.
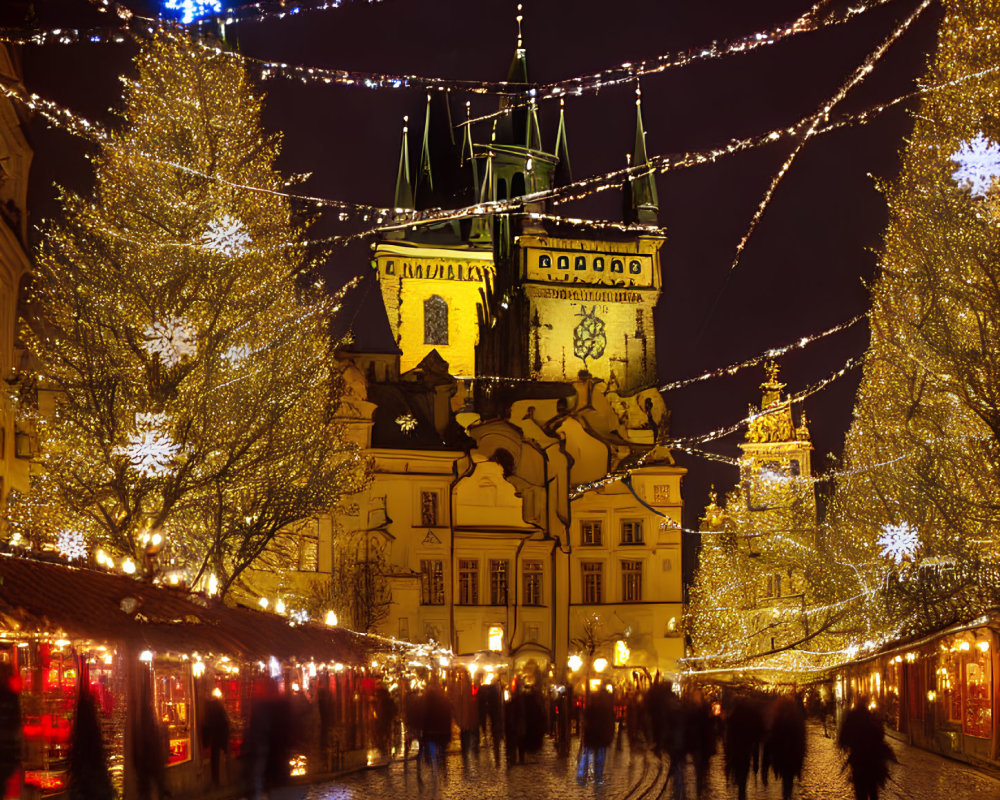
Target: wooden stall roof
{"points": [[42, 597]]}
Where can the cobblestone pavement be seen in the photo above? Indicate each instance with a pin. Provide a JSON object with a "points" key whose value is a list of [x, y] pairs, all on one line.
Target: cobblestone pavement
{"points": [[918, 776]]}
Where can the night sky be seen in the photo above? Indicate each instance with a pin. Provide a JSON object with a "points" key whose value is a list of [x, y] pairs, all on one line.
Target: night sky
{"points": [[804, 270]]}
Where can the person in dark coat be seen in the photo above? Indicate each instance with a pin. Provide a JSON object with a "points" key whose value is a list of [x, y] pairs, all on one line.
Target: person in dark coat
{"points": [[785, 745], [488, 698], [435, 732], [862, 737], [699, 743], [10, 726], [89, 778], [598, 733], [413, 712], [534, 720], [514, 726], [742, 739], [215, 733]]}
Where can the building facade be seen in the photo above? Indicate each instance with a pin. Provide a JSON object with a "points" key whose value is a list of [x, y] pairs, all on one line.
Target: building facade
{"points": [[522, 508]]}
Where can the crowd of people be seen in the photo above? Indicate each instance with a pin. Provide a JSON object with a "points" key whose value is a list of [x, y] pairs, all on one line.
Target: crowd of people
{"points": [[759, 734]]}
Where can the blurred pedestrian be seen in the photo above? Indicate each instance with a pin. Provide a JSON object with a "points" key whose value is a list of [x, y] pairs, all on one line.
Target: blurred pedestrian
{"points": [[744, 732], [435, 732], [598, 733], [862, 737], [699, 724], [785, 745], [10, 727], [215, 733]]}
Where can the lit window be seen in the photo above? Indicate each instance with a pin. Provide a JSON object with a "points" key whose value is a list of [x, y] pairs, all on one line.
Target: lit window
{"points": [[435, 320], [432, 582], [429, 509], [545, 262], [495, 637], [532, 583], [468, 582], [498, 582], [592, 578], [617, 265], [562, 262], [580, 262], [632, 531], [590, 532], [598, 264], [631, 581]]}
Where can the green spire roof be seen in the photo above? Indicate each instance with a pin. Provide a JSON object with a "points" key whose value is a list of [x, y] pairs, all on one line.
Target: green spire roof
{"points": [[404, 186], [645, 203], [425, 173]]}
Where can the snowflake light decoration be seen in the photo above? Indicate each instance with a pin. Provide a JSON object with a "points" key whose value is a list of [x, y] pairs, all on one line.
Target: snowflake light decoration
{"points": [[899, 542], [193, 9], [226, 236], [238, 353], [171, 339], [299, 616], [407, 423], [71, 544], [978, 165], [150, 451]]}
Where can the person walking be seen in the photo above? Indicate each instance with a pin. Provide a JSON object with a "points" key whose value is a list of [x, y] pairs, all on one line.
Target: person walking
{"points": [[862, 738], [435, 733], [598, 733]]}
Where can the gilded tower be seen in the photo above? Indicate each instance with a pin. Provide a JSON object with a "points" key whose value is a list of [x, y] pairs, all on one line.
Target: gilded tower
{"points": [[520, 293]]}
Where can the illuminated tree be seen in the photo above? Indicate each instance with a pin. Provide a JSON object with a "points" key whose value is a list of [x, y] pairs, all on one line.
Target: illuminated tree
{"points": [[923, 450], [186, 385]]}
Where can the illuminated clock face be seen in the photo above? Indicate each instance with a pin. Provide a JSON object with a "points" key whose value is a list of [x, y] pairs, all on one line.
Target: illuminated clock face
{"points": [[589, 336]]}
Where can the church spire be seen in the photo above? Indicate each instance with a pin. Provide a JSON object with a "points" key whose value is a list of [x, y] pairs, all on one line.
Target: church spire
{"points": [[404, 184], [644, 207], [425, 173], [564, 172], [518, 72]]}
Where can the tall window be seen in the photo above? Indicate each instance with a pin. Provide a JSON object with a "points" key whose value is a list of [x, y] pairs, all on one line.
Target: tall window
{"points": [[435, 320], [632, 531], [432, 582], [468, 582], [590, 531], [593, 572], [498, 582], [532, 583], [429, 509], [631, 581]]}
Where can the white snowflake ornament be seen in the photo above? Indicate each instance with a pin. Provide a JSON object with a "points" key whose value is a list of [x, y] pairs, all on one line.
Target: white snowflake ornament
{"points": [[171, 339], [407, 423], [899, 542], [150, 450], [978, 165], [226, 236], [71, 544], [193, 9]]}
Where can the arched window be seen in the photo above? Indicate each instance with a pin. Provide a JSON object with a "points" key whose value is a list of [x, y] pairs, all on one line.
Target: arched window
{"points": [[598, 264], [517, 185], [617, 265], [580, 262], [562, 262], [435, 320], [545, 262], [634, 267]]}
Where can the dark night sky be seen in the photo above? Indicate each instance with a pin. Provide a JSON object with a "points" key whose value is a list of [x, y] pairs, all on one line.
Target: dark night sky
{"points": [[804, 269]]}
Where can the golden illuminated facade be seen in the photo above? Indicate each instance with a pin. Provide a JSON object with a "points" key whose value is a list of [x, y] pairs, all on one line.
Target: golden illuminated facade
{"points": [[15, 162], [751, 597], [523, 379]]}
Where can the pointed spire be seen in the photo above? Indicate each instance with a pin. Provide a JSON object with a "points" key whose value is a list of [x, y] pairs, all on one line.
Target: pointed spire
{"points": [[533, 137], [564, 172], [518, 72], [467, 150], [645, 205], [425, 174], [404, 184]]}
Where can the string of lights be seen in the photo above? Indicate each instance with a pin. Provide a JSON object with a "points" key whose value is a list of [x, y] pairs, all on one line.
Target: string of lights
{"points": [[76, 124], [259, 11], [813, 19], [822, 115]]}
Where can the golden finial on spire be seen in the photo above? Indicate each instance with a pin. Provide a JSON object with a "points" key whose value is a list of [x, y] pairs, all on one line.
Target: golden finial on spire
{"points": [[520, 19]]}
